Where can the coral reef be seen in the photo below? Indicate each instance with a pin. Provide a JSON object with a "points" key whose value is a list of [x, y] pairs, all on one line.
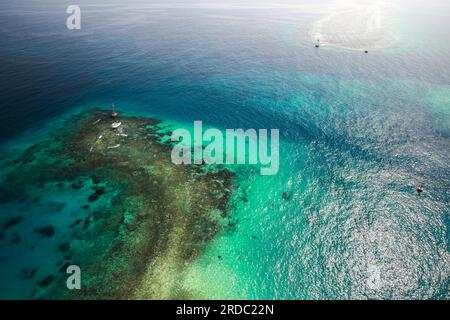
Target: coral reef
{"points": [[144, 219]]}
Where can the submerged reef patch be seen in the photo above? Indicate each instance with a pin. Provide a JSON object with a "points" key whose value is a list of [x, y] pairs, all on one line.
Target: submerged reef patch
{"points": [[47, 232], [12, 222], [141, 219]]}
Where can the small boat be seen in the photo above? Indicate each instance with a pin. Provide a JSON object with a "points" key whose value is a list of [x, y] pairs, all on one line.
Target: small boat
{"points": [[114, 114], [96, 141], [115, 125]]}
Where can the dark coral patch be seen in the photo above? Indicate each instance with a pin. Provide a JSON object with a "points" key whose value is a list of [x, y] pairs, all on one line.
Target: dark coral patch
{"points": [[93, 197], [152, 122], [46, 232], [64, 247], [12, 222], [75, 223], [86, 223], [46, 281]]}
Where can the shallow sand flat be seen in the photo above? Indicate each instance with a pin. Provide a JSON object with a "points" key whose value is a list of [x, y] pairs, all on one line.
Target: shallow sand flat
{"points": [[365, 27]]}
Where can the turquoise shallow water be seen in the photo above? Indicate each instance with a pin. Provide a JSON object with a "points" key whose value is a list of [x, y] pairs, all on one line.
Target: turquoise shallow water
{"points": [[358, 134]]}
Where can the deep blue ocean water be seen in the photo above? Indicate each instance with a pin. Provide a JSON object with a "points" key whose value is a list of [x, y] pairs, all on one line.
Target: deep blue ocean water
{"points": [[359, 132]]}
